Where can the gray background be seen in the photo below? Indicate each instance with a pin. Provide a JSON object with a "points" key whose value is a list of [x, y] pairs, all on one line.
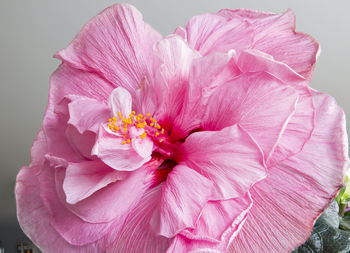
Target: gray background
{"points": [[31, 31]]}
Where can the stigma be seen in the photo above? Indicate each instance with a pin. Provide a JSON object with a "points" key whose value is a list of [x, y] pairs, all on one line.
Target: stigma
{"points": [[144, 124]]}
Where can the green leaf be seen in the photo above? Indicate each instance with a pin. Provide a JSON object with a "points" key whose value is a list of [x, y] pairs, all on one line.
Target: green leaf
{"points": [[326, 236]]}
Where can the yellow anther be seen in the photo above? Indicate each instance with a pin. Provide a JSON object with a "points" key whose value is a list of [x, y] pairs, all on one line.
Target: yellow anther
{"points": [[123, 142], [140, 115], [125, 135], [133, 112], [148, 114], [109, 120], [119, 114], [151, 119], [140, 125], [157, 134], [125, 129], [125, 125], [137, 118], [158, 126], [152, 124], [114, 118], [143, 135], [128, 140], [116, 128]]}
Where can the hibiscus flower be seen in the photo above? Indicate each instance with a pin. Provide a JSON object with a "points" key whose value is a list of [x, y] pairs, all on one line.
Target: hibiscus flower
{"points": [[206, 140]]}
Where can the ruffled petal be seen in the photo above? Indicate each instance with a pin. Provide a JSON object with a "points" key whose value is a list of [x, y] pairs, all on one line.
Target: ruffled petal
{"points": [[258, 102], [85, 178], [122, 157], [34, 218], [112, 202], [137, 228], [275, 34], [298, 189], [209, 33], [116, 44], [184, 194], [206, 74], [65, 83], [229, 157], [87, 114], [120, 101], [73, 229], [171, 66], [219, 223]]}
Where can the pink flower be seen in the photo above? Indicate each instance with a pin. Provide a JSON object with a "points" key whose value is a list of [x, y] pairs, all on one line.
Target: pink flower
{"points": [[207, 140]]}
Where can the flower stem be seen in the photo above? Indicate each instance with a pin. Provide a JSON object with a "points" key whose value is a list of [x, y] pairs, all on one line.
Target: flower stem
{"points": [[341, 209]]}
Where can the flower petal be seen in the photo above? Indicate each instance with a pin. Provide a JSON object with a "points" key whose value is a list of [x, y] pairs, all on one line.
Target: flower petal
{"points": [[184, 194], [229, 157], [298, 189], [172, 61], [74, 230], [258, 102], [35, 219], [116, 44], [85, 178], [219, 223], [275, 34], [114, 201], [122, 157], [206, 74], [136, 228], [120, 101], [67, 82], [87, 114], [209, 33]]}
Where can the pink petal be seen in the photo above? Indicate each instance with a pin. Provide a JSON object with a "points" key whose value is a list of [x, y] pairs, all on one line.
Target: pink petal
{"points": [[299, 188], [219, 223], [206, 74], [112, 202], [85, 178], [35, 220], [66, 82], [172, 61], [87, 114], [116, 44], [136, 235], [82, 144], [258, 102], [275, 34], [122, 157], [38, 150], [184, 194], [74, 230], [120, 101], [209, 33], [229, 157]]}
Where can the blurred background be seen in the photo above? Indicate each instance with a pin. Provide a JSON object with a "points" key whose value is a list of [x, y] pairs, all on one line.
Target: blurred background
{"points": [[32, 31]]}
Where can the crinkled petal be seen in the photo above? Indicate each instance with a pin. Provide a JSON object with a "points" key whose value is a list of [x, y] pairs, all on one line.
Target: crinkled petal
{"points": [[171, 66], [85, 178], [298, 189], [87, 114], [219, 223], [136, 235], [67, 82], [122, 157], [229, 157], [209, 33], [275, 34], [258, 102], [120, 101], [184, 194], [81, 143], [206, 74], [114, 201], [116, 44], [73, 229], [35, 219]]}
